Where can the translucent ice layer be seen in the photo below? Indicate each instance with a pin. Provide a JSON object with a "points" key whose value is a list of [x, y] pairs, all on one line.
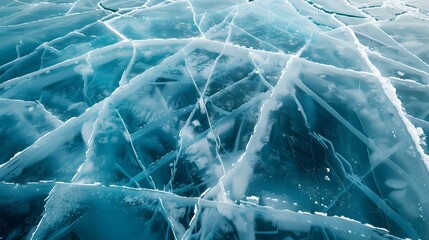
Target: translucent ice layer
{"points": [[214, 119]]}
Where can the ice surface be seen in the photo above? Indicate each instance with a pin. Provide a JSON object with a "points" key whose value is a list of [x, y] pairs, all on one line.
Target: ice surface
{"points": [[226, 119]]}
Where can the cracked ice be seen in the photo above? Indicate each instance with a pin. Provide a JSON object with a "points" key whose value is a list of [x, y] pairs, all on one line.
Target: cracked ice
{"points": [[227, 119]]}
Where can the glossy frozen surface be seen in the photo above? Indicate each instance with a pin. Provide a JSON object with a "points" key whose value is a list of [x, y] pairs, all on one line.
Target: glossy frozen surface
{"points": [[221, 119]]}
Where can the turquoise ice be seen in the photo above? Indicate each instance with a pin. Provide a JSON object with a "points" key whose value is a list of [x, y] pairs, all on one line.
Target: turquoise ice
{"points": [[214, 119]]}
